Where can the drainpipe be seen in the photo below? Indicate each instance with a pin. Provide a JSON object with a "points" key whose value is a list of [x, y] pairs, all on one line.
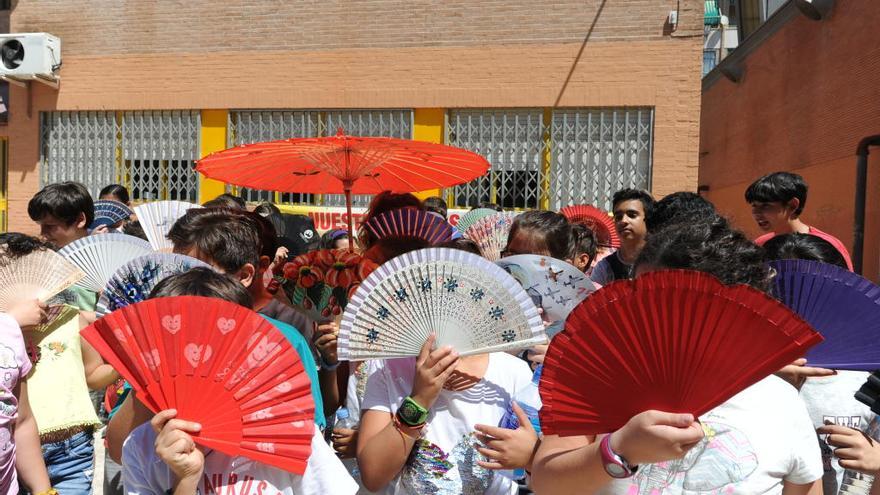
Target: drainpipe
{"points": [[861, 191]]}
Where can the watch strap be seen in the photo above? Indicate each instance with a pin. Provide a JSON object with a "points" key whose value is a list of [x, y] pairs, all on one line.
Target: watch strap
{"points": [[615, 464]]}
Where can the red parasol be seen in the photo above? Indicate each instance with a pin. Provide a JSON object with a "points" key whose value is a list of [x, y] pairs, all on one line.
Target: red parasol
{"points": [[346, 164]]}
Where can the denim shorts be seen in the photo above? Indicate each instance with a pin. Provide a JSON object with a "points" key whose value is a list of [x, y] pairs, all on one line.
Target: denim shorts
{"points": [[71, 464]]}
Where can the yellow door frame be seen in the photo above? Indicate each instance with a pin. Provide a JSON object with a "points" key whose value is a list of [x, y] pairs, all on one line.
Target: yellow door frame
{"points": [[428, 126], [212, 137]]}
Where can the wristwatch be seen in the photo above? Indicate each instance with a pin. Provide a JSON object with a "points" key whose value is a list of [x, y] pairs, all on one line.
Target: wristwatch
{"points": [[615, 465], [411, 413]]}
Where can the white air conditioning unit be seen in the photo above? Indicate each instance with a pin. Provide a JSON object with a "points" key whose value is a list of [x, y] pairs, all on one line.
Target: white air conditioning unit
{"points": [[28, 56]]}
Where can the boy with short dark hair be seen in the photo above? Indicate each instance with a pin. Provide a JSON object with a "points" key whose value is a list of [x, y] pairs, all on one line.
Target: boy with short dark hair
{"points": [[64, 212], [631, 207], [777, 202]]}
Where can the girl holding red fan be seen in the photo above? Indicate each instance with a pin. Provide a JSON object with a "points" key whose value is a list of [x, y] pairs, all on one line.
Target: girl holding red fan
{"points": [[759, 441], [161, 457]]}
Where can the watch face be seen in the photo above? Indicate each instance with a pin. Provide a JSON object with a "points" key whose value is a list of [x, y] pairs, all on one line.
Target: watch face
{"points": [[409, 414], [615, 470]]}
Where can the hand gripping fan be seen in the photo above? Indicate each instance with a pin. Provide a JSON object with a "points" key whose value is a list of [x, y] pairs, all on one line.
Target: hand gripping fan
{"points": [[99, 256], [554, 285], [675, 341], [597, 220], [38, 275], [473, 217], [133, 281], [109, 212], [841, 305], [57, 313], [219, 364], [469, 303], [158, 217], [322, 282], [490, 233], [409, 222]]}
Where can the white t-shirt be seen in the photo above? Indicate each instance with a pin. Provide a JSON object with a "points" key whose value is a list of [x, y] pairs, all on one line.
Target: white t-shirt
{"points": [[444, 460], [144, 473], [831, 398], [752, 443], [357, 384]]}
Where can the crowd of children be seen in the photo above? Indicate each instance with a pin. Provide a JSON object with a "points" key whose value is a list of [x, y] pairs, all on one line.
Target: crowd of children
{"points": [[429, 424]]}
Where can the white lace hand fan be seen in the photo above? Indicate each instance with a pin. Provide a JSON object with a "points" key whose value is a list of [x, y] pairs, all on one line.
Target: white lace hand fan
{"points": [[158, 217], [490, 233], [38, 275], [99, 256], [469, 303]]}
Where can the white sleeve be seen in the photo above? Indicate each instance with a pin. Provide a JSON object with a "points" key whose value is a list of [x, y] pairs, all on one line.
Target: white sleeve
{"points": [[136, 464], [377, 396], [806, 456], [325, 473], [602, 272]]}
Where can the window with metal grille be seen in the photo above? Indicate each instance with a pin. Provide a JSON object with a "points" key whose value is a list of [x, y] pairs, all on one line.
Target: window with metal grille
{"points": [[253, 126], [151, 153], [512, 141], [597, 151]]}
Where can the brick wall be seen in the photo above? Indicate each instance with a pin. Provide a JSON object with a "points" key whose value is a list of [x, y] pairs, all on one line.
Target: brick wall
{"points": [[810, 93], [425, 54]]}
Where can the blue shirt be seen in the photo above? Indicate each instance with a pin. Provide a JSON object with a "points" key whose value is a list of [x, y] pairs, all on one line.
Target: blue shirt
{"points": [[301, 345]]}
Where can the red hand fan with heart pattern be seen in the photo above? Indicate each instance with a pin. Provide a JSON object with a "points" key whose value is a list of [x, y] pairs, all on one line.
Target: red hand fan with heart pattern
{"points": [[218, 364], [676, 341]]}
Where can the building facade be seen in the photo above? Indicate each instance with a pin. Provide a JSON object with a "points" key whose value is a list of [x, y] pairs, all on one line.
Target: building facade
{"points": [[569, 100], [806, 93]]}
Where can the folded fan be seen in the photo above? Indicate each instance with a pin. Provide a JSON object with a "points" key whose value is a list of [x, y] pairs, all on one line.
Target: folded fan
{"points": [[473, 217], [597, 220], [841, 305], [219, 364], [57, 313], [675, 341], [158, 217], [38, 275], [554, 285], [99, 256], [469, 303], [132, 282], [408, 222], [490, 233], [108, 212], [321, 282]]}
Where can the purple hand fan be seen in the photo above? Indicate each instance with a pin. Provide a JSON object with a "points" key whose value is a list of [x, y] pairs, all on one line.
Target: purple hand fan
{"points": [[843, 306], [409, 222]]}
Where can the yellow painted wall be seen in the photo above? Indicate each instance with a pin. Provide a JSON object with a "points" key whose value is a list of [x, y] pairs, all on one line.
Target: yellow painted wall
{"points": [[213, 138], [428, 126]]}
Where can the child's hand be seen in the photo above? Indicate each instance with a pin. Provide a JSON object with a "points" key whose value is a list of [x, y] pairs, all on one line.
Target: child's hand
{"points": [[345, 442], [28, 313], [508, 449], [537, 354], [854, 448], [101, 229], [176, 448], [325, 341], [281, 255], [797, 373], [432, 370], [654, 436]]}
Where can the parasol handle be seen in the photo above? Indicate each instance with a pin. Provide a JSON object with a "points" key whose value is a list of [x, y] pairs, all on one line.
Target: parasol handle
{"points": [[346, 187]]}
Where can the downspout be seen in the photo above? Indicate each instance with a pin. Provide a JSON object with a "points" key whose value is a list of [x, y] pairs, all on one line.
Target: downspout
{"points": [[861, 191]]}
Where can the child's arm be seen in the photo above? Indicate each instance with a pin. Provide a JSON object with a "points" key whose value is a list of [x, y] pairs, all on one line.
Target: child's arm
{"points": [[383, 447], [131, 414], [98, 373], [574, 464], [28, 454], [325, 341]]}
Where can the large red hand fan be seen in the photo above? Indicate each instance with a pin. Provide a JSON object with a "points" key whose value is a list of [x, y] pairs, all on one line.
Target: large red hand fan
{"points": [[409, 222], [597, 220], [676, 341], [219, 364]]}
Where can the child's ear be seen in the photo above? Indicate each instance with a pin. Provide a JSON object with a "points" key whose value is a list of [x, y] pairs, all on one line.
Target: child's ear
{"points": [[81, 221], [247, 274], [794, 204]]}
